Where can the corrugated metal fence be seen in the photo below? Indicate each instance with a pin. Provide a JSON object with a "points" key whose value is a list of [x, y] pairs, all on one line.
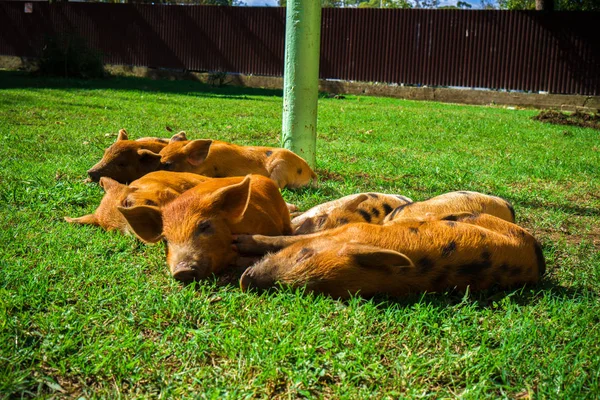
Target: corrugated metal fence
{"points": [[555, 52]]}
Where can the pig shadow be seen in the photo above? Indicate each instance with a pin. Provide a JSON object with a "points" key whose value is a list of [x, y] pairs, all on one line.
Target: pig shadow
{"points": [[493, 298]]}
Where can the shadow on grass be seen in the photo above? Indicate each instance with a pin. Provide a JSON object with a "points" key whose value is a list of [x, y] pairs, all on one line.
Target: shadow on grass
{"points": [[568, 209], [24, 80], [320, 190], [487, 299]]}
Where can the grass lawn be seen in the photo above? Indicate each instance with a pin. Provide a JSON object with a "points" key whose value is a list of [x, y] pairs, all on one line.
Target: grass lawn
{"points": [[89, 313]]}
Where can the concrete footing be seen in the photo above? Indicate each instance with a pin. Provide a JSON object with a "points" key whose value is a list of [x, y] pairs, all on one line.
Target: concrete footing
{"points": [[446, 95]]}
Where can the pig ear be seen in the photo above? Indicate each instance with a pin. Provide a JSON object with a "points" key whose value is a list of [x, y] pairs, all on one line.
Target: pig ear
{"points": [[376, 257], [180, 137], [109, 184], [458, 216], [354, 203], [148, 155], [89, 219], [234, 199], [122, 135], [145, 222], [197, 151]]}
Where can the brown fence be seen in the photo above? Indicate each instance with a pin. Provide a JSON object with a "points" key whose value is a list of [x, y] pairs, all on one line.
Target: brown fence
{"points": [[533, 51]]}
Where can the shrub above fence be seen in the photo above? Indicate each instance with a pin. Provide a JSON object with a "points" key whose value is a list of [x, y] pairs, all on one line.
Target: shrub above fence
{"points": [[513, 50]]}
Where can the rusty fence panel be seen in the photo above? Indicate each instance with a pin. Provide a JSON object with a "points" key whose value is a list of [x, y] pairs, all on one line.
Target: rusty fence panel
{"points": [[511, 50], [231, 39], [514, 50]]}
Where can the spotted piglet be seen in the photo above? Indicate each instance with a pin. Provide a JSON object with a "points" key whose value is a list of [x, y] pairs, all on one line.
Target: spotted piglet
{"points": [[454, 202], [362, 207], [456, 251]]}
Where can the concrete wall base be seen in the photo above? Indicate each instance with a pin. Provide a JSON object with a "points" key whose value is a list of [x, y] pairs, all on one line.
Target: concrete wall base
{"points": [[446, 95]]}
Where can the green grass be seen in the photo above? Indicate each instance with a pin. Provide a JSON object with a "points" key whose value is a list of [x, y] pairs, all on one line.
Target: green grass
{"points": [[88, 313]]}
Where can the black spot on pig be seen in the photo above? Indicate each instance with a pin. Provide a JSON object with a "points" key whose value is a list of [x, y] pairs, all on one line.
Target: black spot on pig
{"points": [[424, 265], [387, 208], [366, 216], [473, 268], [448, 249]]}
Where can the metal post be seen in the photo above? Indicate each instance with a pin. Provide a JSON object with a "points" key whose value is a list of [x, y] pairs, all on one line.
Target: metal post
{"points": [[301, 78]]}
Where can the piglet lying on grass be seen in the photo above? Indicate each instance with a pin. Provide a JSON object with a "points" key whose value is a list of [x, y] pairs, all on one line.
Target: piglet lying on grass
{"points": [[454, 202], [221, 159], [156, 189], [198, 226], [458, 251], [361, 207], [127, 160]]}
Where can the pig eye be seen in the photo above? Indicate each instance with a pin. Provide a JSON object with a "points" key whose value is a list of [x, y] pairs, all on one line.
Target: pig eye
{"points": [[127, 203], [204, 228], [150, 203]]}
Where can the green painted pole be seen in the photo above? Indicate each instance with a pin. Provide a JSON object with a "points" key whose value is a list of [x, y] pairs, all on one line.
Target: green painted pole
{"points": [[301, 78]]}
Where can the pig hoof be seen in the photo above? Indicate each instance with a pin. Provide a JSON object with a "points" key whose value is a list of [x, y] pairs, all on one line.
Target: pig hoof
{"points": [[245, 244]]}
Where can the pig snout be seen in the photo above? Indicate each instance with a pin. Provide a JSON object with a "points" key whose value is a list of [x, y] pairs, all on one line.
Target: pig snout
{"points": [[189, 271], [94, 174], [251, 280]]}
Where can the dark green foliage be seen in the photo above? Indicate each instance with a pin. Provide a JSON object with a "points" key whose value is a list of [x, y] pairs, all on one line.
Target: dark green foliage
{"points": [[559, 5], [68, 55]]}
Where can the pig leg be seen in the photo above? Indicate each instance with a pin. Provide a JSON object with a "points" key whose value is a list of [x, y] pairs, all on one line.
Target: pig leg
{"points": [[259, 244], [488, 221], [292, 208]]}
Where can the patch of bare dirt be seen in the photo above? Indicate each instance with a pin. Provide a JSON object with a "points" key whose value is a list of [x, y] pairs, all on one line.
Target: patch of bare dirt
{"points": [[576, 119], [326, 175]]}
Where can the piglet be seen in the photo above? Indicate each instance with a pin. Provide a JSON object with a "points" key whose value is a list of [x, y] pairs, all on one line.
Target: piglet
{"points": [[127, 160], [454, 202], [221, 159], [457, 251], [154, 189], [198, 226]]}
